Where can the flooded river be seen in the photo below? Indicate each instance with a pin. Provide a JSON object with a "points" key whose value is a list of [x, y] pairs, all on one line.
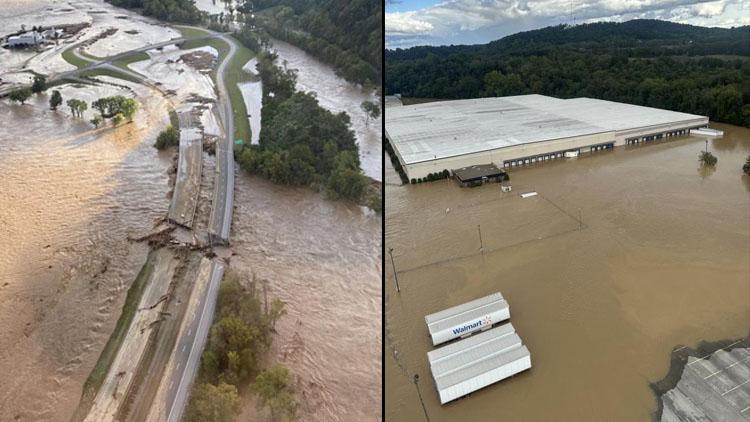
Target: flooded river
{"points": [[69, 198], [337, 95], [622, 256], [323, 259]]}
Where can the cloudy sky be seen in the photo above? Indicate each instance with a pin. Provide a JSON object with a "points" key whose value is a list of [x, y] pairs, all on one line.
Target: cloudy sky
{"points": [[443, 22]]}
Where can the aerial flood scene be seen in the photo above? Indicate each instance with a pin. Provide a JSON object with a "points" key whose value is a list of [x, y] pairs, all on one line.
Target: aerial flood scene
{"points": [[567, 216], [191, 212]]}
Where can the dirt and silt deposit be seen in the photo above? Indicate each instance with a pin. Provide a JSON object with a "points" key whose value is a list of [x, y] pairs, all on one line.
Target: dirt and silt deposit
{"points": [[660, 259]]}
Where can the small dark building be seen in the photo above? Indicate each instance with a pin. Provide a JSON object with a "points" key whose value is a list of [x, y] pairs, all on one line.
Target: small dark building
{"points": [[478, 174]]}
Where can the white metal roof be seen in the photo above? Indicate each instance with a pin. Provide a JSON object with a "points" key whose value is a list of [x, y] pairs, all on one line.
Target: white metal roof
{"points": [[459, 346], [443, 129], [465, 312], [475, 355]]}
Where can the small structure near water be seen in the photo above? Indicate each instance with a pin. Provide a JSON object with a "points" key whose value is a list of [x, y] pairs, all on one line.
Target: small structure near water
{"points": [[481, 173], [704, 131], [26, 39]]}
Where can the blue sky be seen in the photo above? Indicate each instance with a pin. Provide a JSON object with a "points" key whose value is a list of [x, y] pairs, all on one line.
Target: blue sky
{"points": [[433, 22]]}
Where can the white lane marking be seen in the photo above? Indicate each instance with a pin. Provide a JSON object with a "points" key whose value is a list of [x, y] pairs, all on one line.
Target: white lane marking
{"points": [[734, 388], [183, 347], [726, 347], [725, 368]]}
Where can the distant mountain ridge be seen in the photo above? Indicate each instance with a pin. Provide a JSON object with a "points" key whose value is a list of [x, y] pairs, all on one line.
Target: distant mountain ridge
{"points": [[627, 34]]}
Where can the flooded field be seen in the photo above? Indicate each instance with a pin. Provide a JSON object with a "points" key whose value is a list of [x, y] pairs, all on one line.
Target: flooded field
{"points": [[127, 30], [323, 259], [623, 256], [70, 196], [337, 95]]}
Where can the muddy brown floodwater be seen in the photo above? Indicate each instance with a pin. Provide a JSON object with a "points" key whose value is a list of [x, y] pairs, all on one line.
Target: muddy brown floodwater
{"points": [[323, 259], [660, 259], [69, 197]]}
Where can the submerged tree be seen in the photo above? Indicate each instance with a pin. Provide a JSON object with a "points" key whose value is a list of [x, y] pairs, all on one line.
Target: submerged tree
{"points": [[20, 95], [707, 159], [371, 109], [77, 107], [39, 84], [167, 138], [275, 391], [97, 120], [55, 100], [218, 403], [746, 166]]}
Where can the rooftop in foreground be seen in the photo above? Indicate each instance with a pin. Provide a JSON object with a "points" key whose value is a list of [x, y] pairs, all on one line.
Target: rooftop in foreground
{"points": [[444, 129]]}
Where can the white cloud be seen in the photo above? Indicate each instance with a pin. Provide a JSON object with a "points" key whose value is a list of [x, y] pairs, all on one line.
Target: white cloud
{"points": [[461, 21], [406, 23]]}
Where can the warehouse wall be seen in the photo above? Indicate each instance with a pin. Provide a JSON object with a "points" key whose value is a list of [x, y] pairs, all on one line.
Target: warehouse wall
{"points": [[497, 156], [652, 130]]}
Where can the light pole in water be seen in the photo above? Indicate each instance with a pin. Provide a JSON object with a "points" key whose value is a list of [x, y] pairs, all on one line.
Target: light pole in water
{"points": [[395, 275], [481, 244], [706, 145], [424, 409]]}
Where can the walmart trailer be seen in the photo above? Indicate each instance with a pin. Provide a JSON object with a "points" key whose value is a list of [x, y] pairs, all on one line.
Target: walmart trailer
{"points": [[483, 359], [462, 320]]}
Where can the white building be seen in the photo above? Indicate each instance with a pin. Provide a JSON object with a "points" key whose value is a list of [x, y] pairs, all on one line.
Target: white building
{"points": [[512, 131], [30, 38]]}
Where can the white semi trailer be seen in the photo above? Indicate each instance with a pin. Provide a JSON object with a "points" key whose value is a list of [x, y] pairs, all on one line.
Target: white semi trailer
{"points": [[463, 320], [470, 364]]}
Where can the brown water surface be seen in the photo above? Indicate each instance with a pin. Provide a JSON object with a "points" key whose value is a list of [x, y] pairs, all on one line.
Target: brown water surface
{"points": [[622, 256], [69, 197], [323, 259]]}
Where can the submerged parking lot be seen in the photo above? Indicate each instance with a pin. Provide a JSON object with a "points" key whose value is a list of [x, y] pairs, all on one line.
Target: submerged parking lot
{"points": [[622, 257]]}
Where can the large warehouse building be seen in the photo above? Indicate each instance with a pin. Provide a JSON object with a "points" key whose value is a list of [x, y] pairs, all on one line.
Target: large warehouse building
{"points": [[512, 131]]}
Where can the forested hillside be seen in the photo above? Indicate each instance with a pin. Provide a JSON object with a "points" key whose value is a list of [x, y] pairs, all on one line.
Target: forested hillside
{"points": [[344, 33], [648, 62]]}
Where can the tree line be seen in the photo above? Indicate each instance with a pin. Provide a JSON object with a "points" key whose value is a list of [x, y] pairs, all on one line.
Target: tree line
{"points": [[659, 64], [118, 108], [240, 335], [168, 10], [301, 143]]}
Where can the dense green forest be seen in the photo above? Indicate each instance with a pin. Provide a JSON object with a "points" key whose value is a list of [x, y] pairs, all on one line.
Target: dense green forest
{"points": [[654, 63], [168, 10], [232, 360], [344, 33], [301, 143]]}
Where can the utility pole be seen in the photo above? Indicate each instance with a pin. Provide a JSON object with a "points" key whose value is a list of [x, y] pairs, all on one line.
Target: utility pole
{"points": [[580, 220], [706, 145], [481, 244], [395, 275], [424, 409]]}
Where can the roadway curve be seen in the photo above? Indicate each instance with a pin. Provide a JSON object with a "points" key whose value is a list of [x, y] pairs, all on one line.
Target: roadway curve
{"points": [[220, 221]]}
